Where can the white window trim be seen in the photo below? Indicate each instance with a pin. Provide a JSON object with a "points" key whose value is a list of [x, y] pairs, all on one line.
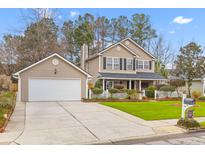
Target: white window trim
{"points": [[107, 63], [113, 62], [127, 65], [144, 64], [113, 59]]}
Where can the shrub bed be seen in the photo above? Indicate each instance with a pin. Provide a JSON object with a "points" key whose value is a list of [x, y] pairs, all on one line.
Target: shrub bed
{"points": [[7, 104], [112, 100], [188, 123]]}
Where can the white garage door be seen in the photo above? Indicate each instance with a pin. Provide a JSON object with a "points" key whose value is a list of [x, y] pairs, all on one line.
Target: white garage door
{"points": [[54, 89]]}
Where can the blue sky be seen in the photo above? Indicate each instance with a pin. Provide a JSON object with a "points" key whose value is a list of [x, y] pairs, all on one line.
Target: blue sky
{"points": [[178, 26]]}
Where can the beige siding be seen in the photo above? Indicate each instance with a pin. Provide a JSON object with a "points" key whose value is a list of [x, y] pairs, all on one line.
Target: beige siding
{"points": [[120, 52], [92, 67], [142, 55], [46, 70]]}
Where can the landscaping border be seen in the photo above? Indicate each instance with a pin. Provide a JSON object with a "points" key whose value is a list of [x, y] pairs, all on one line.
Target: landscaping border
{"points": [[2, 129]]}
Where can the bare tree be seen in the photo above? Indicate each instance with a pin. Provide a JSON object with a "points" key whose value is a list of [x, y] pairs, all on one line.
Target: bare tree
{"points": [[8, 53], [162, 51]]}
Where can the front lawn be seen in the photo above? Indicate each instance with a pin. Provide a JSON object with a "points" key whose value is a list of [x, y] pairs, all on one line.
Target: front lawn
{"points": [[7, 103], [155, 110]]}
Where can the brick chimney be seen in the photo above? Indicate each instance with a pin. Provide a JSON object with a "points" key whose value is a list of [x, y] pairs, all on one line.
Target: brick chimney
{"points": [[84, 55]]}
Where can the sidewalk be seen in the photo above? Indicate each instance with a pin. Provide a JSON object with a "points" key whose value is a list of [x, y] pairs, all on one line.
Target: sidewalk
{"points": [[15, 126]]}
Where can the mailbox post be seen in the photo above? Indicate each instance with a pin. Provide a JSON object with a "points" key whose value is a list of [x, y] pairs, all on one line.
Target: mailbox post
{"points": [[186, 103]]}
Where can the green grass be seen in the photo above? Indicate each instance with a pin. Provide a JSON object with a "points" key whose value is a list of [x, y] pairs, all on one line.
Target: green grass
{"points": [[155, 110], [202, 124]]}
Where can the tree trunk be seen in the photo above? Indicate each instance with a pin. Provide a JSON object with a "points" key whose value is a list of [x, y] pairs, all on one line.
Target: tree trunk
{"points": [[189, 88]]}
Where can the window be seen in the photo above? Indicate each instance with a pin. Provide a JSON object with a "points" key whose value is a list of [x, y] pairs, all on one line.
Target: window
{"points": [[109, 63], [129, 64], [116, 63], [146, 64], [140, 64]]}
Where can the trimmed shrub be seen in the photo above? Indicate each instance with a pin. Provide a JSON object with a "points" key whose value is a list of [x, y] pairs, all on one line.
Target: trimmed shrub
{"points": [[188, 123], [158, 86], [97, 91], [112, 91], [98, 84], [149, 92], [119, 86], [167, 88], [202, 98], [132, 94], [196, 94]]}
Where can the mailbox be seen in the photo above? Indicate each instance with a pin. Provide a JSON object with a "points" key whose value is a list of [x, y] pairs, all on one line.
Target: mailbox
{"points": [[189, 101]]}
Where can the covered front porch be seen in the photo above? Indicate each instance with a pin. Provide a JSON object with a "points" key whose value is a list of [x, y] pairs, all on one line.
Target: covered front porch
{"points": [[128, 84], [138, 81]]}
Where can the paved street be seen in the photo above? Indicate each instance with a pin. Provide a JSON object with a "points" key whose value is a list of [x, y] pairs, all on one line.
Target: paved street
{"points": [[197, 138]]}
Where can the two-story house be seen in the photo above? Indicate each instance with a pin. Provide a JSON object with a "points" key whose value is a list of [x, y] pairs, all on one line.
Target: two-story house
{"points": [[54, 78], [124, 62]]}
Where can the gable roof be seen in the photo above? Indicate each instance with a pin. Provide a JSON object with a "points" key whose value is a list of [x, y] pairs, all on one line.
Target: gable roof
{"points": [[128, 38], [119, 43], [59, 56]]}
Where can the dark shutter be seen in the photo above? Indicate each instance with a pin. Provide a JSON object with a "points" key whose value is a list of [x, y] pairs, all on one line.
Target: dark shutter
{"points": [[134, 64], [105, 86], [120, 63], [104, 63], [150, 65], [125, 64]]}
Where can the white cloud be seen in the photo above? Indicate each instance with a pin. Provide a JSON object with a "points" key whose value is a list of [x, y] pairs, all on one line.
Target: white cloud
{"points": [[182, 20], [74, 13], [172, 32]]}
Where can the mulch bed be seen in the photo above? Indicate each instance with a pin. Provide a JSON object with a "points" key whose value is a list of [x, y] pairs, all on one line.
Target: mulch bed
{"points": [[114, 100]]}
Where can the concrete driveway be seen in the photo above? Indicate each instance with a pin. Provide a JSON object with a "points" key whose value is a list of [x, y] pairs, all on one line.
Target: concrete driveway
{"points": [[78, 123], [75, 123]]}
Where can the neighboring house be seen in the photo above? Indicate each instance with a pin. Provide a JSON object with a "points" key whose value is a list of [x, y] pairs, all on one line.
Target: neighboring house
{"points": [[198, 84], [124, 63], [52, 79]]}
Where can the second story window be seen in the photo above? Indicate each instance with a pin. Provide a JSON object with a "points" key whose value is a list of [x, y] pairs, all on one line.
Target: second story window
{"points": [[116, 63], [146, 65], [140, 64], [129, 64], [109, 63]]}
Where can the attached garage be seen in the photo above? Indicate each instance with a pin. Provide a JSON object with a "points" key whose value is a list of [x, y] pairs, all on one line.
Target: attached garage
{"points": [[52, 79]]}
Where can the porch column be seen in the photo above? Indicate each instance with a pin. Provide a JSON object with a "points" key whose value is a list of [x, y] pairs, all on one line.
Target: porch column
{"points": [[129, 84], [135, 87], [103, 84], [140, 88]]}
